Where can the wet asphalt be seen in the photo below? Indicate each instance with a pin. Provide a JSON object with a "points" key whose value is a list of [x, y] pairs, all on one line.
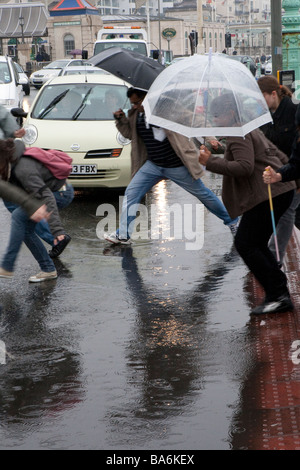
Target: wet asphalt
{"points": [[139, 347]]}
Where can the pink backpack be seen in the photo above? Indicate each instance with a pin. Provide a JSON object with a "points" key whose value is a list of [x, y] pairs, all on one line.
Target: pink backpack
{"points": [[59, 163]]}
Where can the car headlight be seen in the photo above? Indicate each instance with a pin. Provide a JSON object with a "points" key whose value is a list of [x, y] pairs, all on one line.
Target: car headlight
{"points": [[122, 140], [31, 134]]}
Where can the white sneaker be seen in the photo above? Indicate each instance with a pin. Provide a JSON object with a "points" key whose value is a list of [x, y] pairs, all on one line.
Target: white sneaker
{"points": [[114, 238], [234, 228], [40, 277], [6, 274]]}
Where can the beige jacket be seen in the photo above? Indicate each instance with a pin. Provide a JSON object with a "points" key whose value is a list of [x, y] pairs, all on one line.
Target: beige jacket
{"points": [[242, 166], [183, 147]]}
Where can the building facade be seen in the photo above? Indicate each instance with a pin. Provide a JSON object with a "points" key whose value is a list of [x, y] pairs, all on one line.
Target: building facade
{"points": [[248, 22]]}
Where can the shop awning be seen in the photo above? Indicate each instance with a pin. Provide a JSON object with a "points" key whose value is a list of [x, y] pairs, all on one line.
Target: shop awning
{"points": [[35, 19]]}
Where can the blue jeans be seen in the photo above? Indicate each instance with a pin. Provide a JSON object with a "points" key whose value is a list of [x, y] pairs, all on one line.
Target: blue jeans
{"points": [[42, 229], [23, 230], [149, 175], [63, 199]]}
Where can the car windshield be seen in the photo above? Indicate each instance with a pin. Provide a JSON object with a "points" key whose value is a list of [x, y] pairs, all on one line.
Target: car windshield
{"points": [[5, 76], [57, 64], [80, 102], [139, 47], [19, 68]]}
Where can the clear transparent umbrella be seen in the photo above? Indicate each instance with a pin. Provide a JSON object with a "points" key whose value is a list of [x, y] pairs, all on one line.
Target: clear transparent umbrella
{"points": [[180, 97]]}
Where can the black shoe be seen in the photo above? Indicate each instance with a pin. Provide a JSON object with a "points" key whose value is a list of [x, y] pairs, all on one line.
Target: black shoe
{"points": [[280, 305], [59, 248]]}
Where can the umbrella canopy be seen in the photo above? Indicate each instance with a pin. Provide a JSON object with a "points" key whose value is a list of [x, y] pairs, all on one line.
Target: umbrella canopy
{"points": [[183, 98], [138, 70], [76, 52]]}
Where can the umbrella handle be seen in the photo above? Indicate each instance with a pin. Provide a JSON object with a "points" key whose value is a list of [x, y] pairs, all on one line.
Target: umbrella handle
{"points": [[273, 223]]}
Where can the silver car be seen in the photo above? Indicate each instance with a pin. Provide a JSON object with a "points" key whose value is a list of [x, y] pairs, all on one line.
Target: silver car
{"points": [[38, 78]]}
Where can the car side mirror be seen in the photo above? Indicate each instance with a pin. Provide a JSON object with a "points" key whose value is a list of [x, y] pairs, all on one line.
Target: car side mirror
{"points": [[18, 112]]}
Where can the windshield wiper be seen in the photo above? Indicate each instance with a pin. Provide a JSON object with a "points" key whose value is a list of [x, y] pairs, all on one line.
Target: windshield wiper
{"points": [[51, 105], [82, 106]]}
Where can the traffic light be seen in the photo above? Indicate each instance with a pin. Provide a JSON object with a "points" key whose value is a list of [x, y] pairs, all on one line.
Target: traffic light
{"points": [[227, 40]]}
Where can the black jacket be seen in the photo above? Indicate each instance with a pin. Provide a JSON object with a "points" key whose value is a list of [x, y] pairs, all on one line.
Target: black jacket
{"points": [[283, 129], [291, 171]]}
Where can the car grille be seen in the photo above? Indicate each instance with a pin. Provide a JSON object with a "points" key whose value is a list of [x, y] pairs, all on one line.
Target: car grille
{"points": [[101, 174], [103, 153]]}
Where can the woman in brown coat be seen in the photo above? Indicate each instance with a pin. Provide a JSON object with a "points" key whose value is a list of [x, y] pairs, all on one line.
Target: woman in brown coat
{"points": [[244, 193]]}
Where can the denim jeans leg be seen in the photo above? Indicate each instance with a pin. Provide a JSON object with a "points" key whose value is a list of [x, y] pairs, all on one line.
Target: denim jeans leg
{"points": [[38, 250], [146, 177], [197, 188], [63, 199], [22, 229], [42, 228], [19, 220]]}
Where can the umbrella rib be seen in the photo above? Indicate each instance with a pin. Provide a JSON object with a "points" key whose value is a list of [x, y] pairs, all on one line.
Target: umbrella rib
{"points": [[232, 91], [199, 88]]}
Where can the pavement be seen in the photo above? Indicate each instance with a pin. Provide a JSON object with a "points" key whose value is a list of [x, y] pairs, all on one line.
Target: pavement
{"points": [[272, 395]]}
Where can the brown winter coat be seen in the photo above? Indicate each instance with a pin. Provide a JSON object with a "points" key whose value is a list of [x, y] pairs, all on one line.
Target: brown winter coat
{"points": [[243, 164], [184, 148]]}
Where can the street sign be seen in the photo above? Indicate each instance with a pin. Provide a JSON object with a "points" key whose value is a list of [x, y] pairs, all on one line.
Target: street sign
{"points": [[169, 33]]}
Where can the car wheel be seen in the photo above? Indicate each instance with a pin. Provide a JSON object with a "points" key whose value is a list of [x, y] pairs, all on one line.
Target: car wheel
{"points": [[26, 89]]}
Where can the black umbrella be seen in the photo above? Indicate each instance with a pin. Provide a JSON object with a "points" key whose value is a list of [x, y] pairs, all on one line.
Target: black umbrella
{"points": [[138, 70]]}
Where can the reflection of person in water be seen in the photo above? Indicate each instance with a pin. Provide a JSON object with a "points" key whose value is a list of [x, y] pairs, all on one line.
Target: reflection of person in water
{"points": [[163, 354], [41, 376]]}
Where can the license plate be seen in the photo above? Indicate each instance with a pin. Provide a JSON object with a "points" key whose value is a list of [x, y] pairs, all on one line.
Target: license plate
{"points": [[84, 170]]}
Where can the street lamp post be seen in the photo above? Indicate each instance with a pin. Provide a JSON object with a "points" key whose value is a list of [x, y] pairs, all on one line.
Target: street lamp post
{"points": [[21, 23]]}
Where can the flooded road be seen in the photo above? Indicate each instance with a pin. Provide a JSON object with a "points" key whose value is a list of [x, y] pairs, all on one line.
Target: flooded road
{"points": [[140, 347]]}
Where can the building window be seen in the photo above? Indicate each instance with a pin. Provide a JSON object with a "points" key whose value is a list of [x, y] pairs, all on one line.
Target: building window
{"points": [[69, 44]]}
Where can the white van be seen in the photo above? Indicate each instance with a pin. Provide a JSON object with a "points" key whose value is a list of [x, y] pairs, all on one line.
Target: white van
{"points": [[11, 92], [133, 38]]}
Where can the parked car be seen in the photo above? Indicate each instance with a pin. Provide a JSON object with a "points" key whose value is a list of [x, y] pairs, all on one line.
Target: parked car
{"points": [[11, 94], [245, 59], [39, 77], [268, 67], [24, 77], [81, 70], [73, 114]]}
